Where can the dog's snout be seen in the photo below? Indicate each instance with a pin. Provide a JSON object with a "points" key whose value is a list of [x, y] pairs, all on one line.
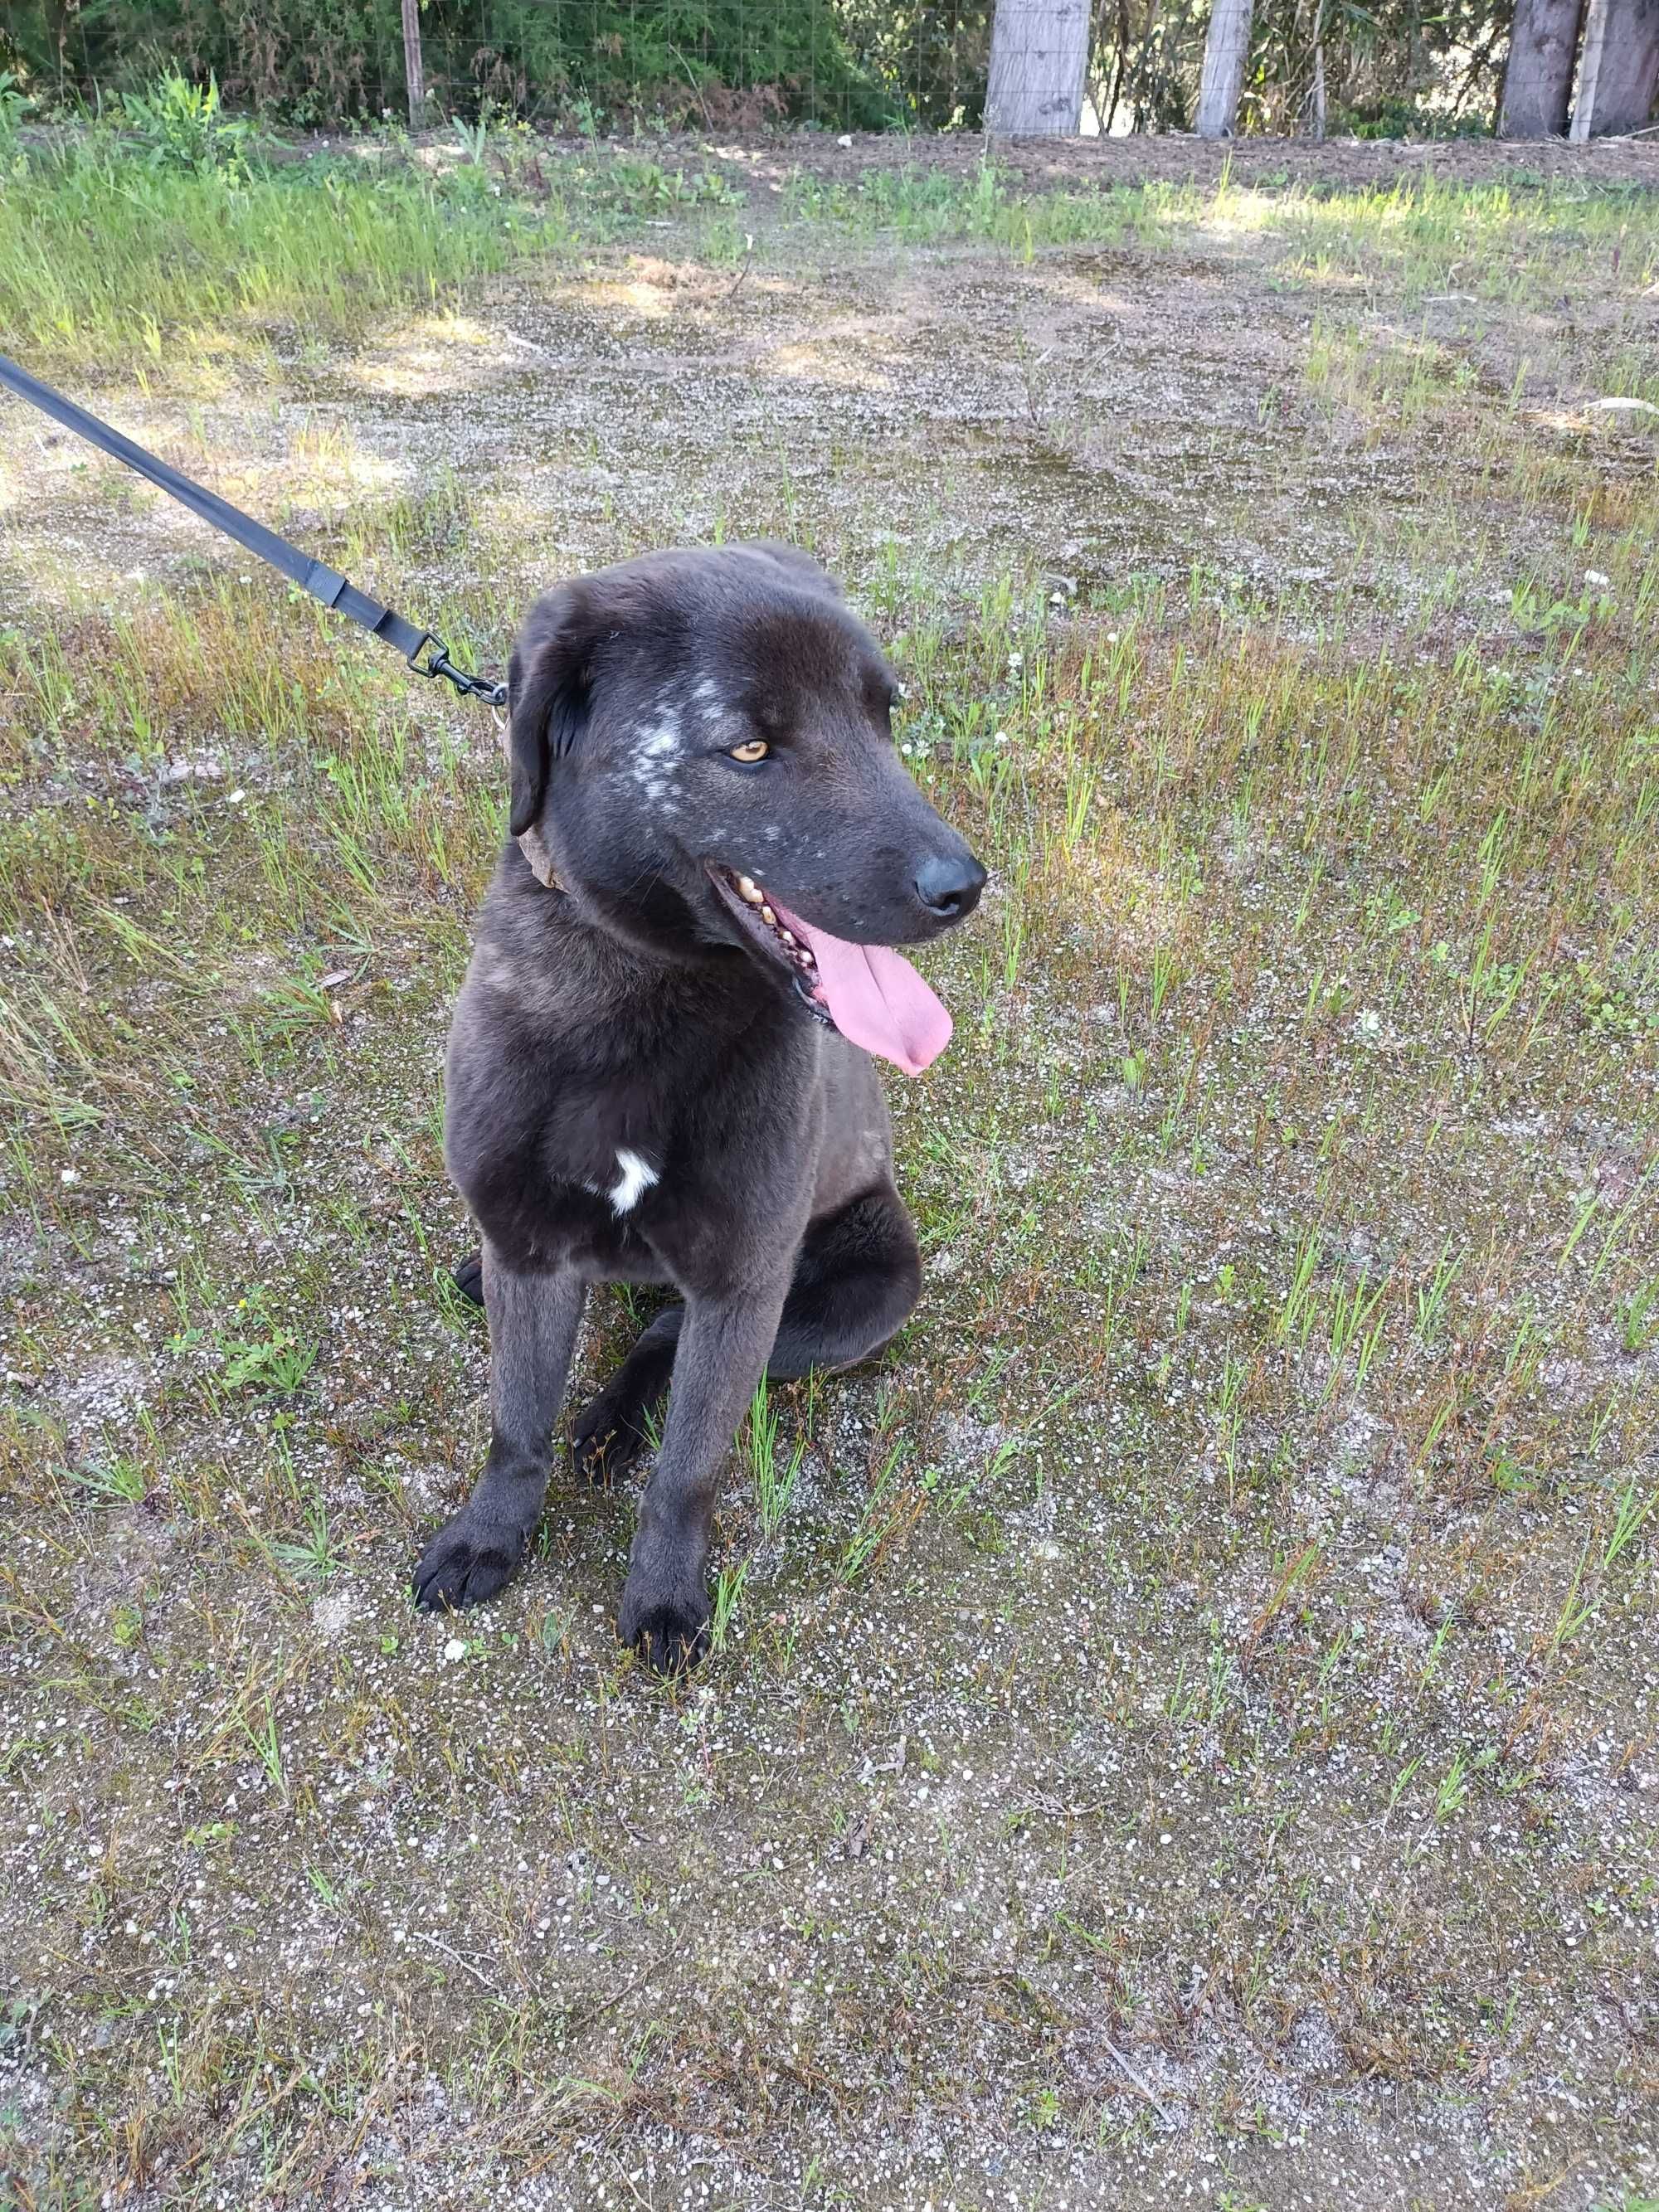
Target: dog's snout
{"points": [[949, 885]]}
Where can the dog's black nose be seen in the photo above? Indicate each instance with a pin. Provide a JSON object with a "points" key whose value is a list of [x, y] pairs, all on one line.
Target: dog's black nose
{"points": [[950, 887]]}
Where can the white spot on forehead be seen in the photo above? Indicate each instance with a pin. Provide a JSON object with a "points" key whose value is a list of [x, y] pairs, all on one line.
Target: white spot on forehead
{"points": [[707, 693], [658, 747], [658, 743], [635, 1179]]}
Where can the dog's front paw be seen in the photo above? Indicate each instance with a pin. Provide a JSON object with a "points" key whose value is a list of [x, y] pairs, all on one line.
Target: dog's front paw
{"points": [[465, 1563], [668, 1629]]}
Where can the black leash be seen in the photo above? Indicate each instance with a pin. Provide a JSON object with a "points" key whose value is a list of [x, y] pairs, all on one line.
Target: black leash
{"points": [[322, 582]]}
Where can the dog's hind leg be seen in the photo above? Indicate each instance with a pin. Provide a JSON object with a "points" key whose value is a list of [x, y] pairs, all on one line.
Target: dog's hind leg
{"points": [[856, 1277], [613, 1431], [532, 1331]]}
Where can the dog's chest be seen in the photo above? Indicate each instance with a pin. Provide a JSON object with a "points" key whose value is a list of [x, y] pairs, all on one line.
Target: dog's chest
{"points": [[694, 1170], [668, 1156], [632, 1175]]}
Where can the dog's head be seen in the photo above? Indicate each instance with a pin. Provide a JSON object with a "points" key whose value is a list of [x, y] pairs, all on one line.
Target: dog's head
{"points": [[700, 749]]}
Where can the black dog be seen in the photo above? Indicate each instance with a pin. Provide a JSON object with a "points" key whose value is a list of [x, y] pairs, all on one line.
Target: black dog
{"points": [[658, 1068]]}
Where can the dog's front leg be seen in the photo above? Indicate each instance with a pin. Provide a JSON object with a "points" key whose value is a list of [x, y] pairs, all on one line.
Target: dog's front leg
{"points": [[721, 1356], [532, 1332]]}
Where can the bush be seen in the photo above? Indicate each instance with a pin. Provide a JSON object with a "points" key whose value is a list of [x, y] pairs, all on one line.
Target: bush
{"points": [[15, 104], [180, 126], [727, 63], [1403, 117]]}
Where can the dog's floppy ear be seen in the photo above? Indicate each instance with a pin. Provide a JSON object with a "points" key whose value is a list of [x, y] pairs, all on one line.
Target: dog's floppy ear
{"points": [[548, 684]]}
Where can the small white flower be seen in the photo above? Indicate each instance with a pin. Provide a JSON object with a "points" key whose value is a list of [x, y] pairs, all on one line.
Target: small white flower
{"points": [[1595, 576], [454, 1649], [70, 1174]]}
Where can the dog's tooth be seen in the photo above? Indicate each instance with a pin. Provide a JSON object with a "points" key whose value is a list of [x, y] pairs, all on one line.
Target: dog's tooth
{"points": [[769, 917], [748, 888], [787, 936]]}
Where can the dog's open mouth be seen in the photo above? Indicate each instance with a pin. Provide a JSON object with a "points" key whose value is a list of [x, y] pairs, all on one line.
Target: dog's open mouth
{"points": [[867, 992]]}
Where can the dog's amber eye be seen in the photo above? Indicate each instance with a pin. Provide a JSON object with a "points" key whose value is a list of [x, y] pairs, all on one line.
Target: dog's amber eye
{"points": [[756, 749]]}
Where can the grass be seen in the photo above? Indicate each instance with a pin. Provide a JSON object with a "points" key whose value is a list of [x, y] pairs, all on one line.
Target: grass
{"points": [[113, 262], [138, 251], [108, 262], [1192, 1701]]}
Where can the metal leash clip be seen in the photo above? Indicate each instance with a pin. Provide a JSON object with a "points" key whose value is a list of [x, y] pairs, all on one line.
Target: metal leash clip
{"points": [[440, 664]]}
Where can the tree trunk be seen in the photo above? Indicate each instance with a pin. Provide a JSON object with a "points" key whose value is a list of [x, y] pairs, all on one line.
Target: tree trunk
{"points": [[414, 73], [1619, 75], [1226, 49], [1119, 57], [1316, 94], [1039, 55], [1538, 81]]}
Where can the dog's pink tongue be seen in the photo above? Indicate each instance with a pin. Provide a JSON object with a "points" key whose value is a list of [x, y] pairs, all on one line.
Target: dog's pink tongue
{"points": [[876, 998]]}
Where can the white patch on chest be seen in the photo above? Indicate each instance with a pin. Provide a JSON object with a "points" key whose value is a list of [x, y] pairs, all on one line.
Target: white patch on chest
{"points": [[634, 1179]]}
